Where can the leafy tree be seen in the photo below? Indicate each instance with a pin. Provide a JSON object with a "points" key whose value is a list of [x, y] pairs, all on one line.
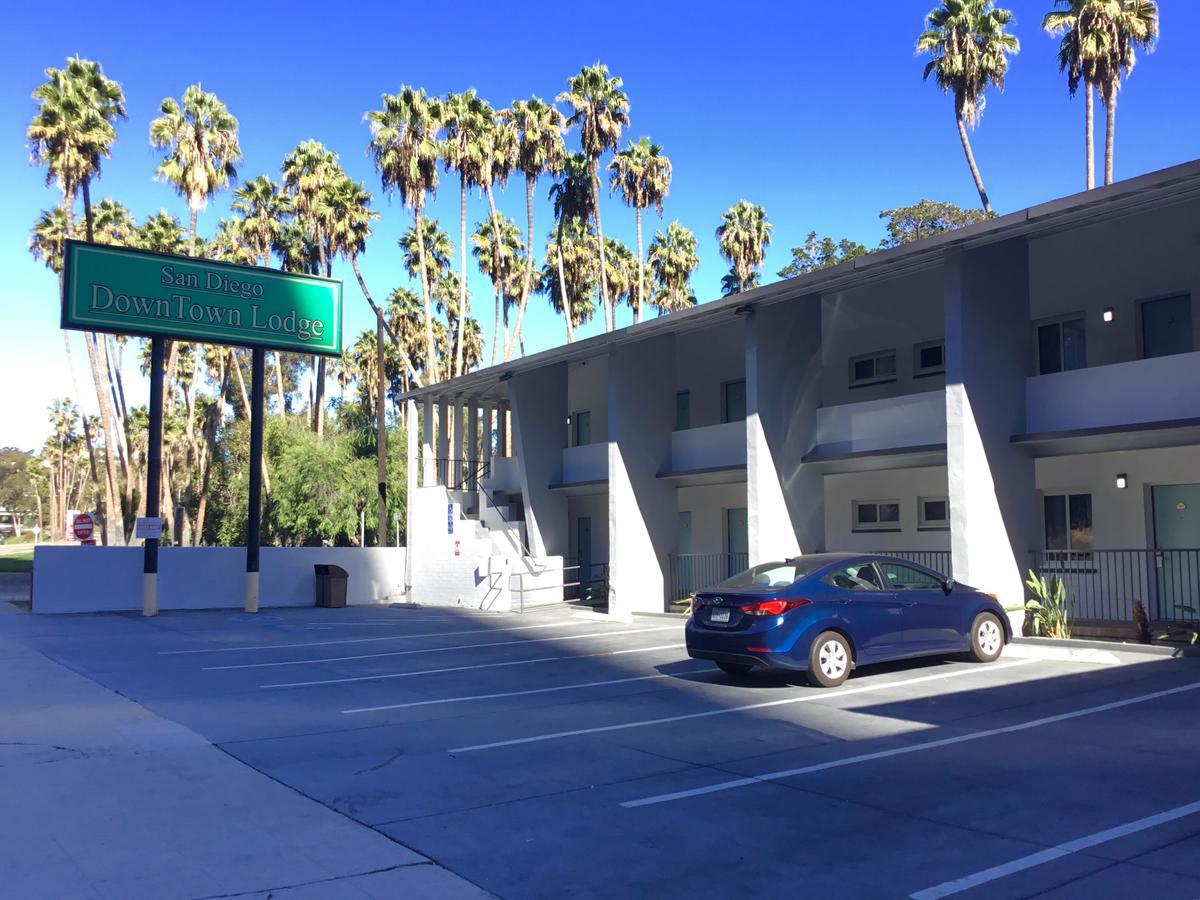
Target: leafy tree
{"points": [[643, 175], [821, 253], [200, 136], [114, 224], [969, 48], [906, 224], [743, 237], [732, 283], [48, 237], [263, 207], [621, 271], [500, 256], [404, 147], [571, 285], [573, 201], [600, 108], [161, 233], [540, 151], [672, 261]]}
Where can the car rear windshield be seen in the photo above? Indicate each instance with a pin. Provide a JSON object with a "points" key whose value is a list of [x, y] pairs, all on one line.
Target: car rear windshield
{"points": [[768, 575]]}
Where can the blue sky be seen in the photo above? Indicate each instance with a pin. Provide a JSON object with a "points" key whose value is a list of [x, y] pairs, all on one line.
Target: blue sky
{"points": [[824, 123]]}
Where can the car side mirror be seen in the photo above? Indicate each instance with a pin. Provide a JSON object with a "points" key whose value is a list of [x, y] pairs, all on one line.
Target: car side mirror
{"points": [[948, 585]]}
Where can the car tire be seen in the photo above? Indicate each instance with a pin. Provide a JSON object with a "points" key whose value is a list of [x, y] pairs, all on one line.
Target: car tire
{"points": [[829, 660], [734, 668], [987, 638]]}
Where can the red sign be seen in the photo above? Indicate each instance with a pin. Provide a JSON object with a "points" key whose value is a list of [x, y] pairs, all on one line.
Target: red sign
{"points": [[82, 526]]}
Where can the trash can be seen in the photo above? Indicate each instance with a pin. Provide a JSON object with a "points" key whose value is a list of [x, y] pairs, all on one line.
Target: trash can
{"points": [[331, 586]]}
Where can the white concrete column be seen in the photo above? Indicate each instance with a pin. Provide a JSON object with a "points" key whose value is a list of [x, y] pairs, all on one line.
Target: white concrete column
{"points": [[410, 421], [461, 437], [443, 439], [487, 450], [992, 483], [539, 405], [785, 499], [427, 470], [471, 437], [642, 508], [502, 427]]}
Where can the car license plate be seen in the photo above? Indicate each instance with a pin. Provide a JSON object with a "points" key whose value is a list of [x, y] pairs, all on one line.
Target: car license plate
{"points": [[719, 615]]}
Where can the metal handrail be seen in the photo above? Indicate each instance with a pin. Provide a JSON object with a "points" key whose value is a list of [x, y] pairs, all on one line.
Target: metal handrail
{"points": [[1104, 585]]}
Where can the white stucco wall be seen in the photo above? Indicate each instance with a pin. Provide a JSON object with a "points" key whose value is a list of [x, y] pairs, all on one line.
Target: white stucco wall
{"points": [[586, 463], [709, 447], [1117, 263], [539, 411], [707, 504], [894, 314], [587, 389], [911, 420], [109, 579], [1142, 390], [595, 507], [904, 485], [706, 359]]}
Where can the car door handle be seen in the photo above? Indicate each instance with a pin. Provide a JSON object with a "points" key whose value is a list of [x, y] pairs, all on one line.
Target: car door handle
{"points": [[845, 602], [910, 602]]}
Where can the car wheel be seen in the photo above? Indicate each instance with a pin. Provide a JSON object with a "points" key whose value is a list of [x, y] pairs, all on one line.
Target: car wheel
{"points": [[829, 660], [987, 638], [734, 668]]}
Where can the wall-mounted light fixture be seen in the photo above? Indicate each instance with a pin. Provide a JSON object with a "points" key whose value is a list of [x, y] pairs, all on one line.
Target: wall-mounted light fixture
{"points": [[1109, 314], [507, 376], [1122, 481], [745, 310]]}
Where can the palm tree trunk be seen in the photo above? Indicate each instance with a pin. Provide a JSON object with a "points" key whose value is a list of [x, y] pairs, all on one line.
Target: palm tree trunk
{"points": [[527, 284], [498, 338], [430, 347], [279, 385], [1110, 130], [111, 508], [379, 312], [212, 425], [609, 312], [318, 407], [380, 430], [193, 212], [87, 210], [562, 286], [1089, 141], [462, 272], [637, 313], [966, 143]]}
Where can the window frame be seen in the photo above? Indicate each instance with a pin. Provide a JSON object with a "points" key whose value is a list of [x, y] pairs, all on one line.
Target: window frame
{"points": [[924, 524], [1140, 305], [685, 395], [725, 386], [874, 357], [877, 526], [874, 589], [920, 371], [1059, 320], [938, 582], [575, 442], [1066, 497]]}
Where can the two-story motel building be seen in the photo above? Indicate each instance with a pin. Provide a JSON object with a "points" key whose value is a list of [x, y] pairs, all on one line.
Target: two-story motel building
{"points": [[1022, 392]]}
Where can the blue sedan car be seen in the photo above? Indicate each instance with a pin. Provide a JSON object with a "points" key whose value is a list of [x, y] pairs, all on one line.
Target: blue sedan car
{"points": [[826, 613]]}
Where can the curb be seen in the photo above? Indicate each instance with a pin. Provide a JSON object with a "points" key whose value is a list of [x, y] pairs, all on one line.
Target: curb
{"points": [[1168, 650]]}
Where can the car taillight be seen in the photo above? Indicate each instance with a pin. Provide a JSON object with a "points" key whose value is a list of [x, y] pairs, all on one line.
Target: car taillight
{"points": [[775, 607]]}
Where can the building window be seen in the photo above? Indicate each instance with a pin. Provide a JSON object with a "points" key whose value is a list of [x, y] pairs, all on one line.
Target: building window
{"points": [[733, 401], [876, 515], [683, 410], [929, 358], [1167, 326], [873, 368], [1068, 522], [1061, 346], [581, 428], [933, 513]]}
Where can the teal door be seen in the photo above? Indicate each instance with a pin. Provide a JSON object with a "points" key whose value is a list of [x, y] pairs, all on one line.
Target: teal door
{"points": [[1177, 537], [737, 540]]}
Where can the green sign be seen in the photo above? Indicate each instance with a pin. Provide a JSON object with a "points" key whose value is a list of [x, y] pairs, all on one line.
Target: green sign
{"points": [[152, 294]]}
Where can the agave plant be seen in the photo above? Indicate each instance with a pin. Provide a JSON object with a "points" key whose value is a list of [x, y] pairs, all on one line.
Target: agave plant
{"points": [[1048, 605]]}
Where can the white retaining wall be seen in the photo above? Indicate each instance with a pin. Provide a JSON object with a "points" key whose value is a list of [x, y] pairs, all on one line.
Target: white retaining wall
{"points": [[109, 579]]}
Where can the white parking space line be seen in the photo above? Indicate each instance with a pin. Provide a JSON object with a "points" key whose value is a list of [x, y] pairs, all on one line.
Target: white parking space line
{"points": [[545, 690], [390, 637], [807, 697], [1050, 854], [911, 748], [329, 659], [495, 665]]}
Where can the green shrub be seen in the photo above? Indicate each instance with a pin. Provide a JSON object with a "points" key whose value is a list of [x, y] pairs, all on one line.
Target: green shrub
{"points": [[1048, 605]]}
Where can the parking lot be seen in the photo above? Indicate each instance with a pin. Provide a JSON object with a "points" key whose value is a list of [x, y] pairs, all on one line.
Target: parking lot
{"points": [[551, 755]]}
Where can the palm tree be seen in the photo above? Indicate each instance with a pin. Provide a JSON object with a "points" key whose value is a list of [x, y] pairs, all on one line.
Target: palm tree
{"points": [[466, 118], [498, 159], [74, 128], [600, 108], [621, 272], [161, 233], [229, 244], [306, 172], [437, 249], [405, 319], [502, 261], [672, 261], [540, 150], [969, 49], [573, 202], [200, 136], [404, 148], [644, 176], [570, 288], [71, 132], [263, 208], [1132, 24], [48, 237], [743, 236], [1077, 52]]}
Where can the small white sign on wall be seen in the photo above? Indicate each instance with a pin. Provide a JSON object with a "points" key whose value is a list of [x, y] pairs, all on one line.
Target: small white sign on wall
{"points": [[147, 528]]}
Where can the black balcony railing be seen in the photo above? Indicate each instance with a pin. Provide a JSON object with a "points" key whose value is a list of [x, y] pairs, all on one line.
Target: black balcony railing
{"points": [[691, 572], [939, 561], [461, 474], [1102, 585]]}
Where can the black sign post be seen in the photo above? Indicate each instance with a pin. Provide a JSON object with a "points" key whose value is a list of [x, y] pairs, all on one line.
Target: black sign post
{"points": [[153, 477], [254, 516]]}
